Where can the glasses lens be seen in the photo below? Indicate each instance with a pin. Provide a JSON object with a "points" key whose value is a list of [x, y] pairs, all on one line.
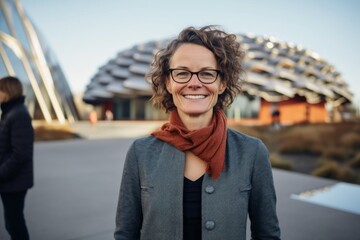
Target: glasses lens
{"points": [[181, 75], [208, 76]]}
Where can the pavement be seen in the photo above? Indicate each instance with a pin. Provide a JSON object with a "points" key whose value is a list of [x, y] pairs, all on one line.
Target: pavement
{"points": [[77, 185], [115, 129]]}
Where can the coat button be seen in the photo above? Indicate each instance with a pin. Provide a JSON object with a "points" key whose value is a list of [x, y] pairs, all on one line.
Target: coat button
{"points": [[209, 225], [209, 189]]}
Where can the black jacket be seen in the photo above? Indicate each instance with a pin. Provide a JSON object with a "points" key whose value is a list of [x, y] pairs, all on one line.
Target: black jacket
{"points": [[16, 147]]}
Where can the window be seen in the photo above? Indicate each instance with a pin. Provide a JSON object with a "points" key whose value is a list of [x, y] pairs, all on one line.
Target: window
{"points": [[245, 106]]}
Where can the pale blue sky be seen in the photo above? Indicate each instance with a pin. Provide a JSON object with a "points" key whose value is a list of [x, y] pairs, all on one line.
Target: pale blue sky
{"points": [[85, 34]]}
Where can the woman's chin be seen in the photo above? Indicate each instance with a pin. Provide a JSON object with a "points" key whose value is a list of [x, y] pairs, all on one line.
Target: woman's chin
{"points": [[196, 112]]}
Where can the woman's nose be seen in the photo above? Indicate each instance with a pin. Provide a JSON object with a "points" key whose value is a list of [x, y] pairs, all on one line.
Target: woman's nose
{"points": [[194, 81]]}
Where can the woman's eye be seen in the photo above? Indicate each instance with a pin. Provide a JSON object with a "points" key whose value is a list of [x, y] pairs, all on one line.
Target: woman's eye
{"points": [[207, 74], [182, 74]]}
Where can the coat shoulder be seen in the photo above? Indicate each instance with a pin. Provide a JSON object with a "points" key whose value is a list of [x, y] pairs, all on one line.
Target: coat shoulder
{"points": [[245, 143], [147, 146], [18, 113], [146, 142]]}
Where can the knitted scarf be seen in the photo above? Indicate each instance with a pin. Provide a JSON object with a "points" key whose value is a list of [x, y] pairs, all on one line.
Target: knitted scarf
{"points": [[209, 143]]}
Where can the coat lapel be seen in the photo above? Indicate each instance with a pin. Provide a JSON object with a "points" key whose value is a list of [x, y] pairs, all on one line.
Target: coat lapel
{"points": [[168, 183]]}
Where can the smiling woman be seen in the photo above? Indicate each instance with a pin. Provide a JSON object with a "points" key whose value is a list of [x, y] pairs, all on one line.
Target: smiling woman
{"points": [[195, 178], [191, 95]]}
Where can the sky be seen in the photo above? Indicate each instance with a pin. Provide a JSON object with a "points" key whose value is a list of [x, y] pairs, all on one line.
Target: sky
{"points": [[86, 34]]}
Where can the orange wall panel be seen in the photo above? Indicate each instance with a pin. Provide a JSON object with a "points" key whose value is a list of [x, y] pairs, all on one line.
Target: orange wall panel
{"points": [[265, 112], [293, 111], [318, 113]]}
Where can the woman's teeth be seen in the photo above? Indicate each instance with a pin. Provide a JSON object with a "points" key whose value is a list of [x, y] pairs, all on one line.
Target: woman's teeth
{"points": [[194, 96]]}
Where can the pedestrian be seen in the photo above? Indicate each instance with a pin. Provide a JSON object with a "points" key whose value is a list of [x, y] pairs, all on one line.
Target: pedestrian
{"points": [[93, 118], [16, 156], [195, 178], [109, 116], [275, 119]]}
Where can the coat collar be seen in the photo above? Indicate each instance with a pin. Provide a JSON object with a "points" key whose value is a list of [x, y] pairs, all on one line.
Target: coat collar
{"points": [[7, 106]]}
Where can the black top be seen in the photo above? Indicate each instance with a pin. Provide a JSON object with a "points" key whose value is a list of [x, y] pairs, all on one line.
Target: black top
{"points": [[192, 209]]}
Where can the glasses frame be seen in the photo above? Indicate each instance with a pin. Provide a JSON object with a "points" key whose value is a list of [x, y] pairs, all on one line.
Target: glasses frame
{"points": [[218, 72]]}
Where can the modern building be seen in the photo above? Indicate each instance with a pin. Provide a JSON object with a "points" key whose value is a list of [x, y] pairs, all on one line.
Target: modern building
{"points": [[283, 81], [25, 54]]}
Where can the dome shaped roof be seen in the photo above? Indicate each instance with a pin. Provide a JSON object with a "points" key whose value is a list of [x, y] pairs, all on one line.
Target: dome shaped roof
{"points": [[275, 70]]}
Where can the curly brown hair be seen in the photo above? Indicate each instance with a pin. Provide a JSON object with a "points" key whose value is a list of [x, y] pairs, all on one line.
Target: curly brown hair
{"points": [[228, 55]]}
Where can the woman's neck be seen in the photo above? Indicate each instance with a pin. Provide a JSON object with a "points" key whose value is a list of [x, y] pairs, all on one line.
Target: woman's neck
{"points": [[195, 122]]}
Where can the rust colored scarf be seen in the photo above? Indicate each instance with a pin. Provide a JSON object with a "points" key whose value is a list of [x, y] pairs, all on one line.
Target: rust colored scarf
{"points": [[208, 143]]}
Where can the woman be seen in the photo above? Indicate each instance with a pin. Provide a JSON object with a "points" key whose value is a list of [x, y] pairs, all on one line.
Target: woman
{"points": [[16, 156], [194, 178]]}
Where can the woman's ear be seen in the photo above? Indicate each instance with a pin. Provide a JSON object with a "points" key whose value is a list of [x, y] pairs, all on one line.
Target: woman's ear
{"points": [[168, 87], [222, 87]]}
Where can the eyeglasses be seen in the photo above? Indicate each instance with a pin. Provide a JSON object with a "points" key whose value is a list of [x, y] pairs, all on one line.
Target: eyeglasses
{"points": [[206, 76]]}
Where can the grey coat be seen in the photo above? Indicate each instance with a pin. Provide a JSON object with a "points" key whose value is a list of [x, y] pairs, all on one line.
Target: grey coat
{"points": [[150, 200]]}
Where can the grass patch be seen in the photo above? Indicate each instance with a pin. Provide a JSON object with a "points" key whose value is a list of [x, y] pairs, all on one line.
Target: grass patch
{"points": [[278, 162], [340, 154], [351, 140], [51, 132], [333, 170], [355, 162]]}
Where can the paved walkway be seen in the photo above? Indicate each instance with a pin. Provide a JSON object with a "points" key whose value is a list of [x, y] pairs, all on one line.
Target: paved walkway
{"points": [[115, 129], [77, 184]]}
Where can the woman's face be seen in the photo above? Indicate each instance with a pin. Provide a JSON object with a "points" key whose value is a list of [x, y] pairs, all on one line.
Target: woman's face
{"points": [[194, 97], [3, 97]]}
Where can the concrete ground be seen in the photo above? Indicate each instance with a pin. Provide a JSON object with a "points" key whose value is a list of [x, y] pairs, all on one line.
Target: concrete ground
{"points": [[77, 184], [115, 129]]}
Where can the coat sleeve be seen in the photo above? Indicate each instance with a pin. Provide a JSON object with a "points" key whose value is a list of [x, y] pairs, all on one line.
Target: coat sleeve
{"points": [[129, 213], [262, 206], [21, 144]]}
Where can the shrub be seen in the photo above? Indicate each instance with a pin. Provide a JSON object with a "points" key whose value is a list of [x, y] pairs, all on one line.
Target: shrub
{"points": [[278, 162], [53, 132], [351, 140], [299, 139], [355, 162], [327, 169], [298, 144], [336, 153], [332, 170]]}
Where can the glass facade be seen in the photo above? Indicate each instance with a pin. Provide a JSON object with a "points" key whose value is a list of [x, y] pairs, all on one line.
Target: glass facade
{"points": [[3, 70], [17, 24], [3, 25], [24, 53], [244, 106]]}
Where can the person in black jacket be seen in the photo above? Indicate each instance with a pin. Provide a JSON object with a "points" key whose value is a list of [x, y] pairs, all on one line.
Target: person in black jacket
{"points": [[16, 156]]}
